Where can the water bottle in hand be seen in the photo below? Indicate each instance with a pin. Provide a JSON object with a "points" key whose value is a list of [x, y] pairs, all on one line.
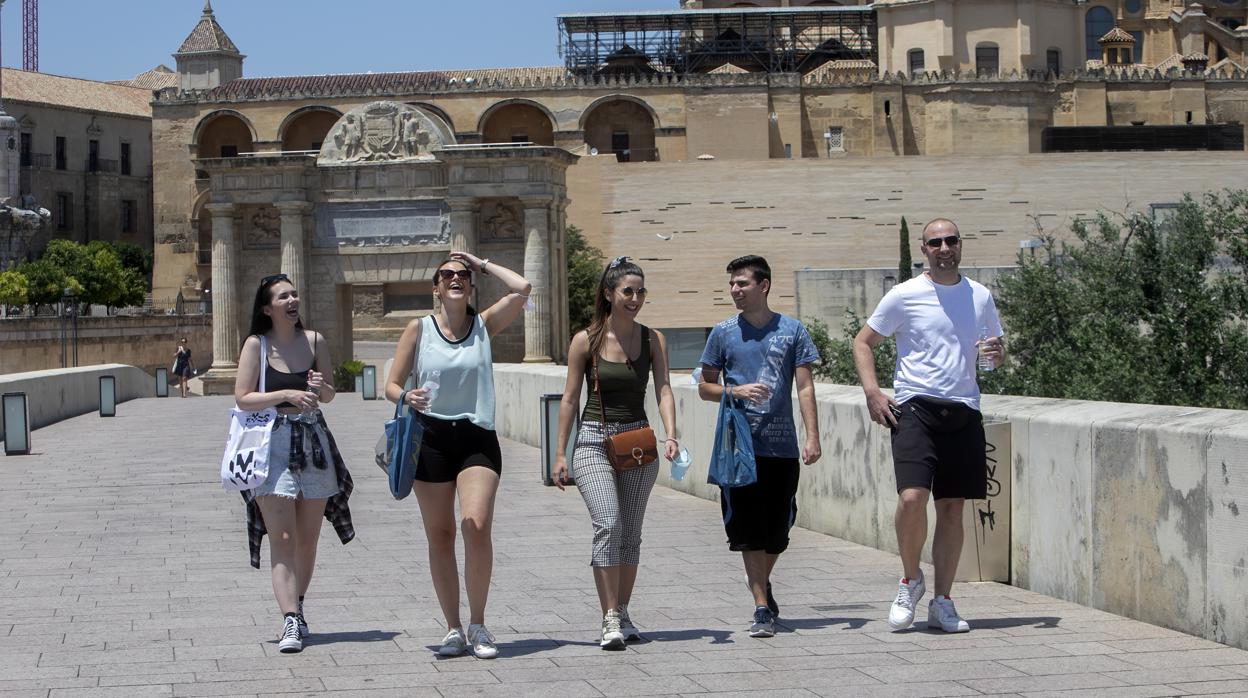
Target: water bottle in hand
{"points": [[431, 388], [983, 362], [696, 376]]}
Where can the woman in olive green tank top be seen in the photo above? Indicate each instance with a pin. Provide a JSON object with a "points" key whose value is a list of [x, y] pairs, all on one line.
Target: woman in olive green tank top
{"points": [[628, 355]]}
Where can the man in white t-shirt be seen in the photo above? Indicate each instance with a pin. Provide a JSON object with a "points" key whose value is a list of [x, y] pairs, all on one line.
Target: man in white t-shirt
{"points": [[942, 322]]}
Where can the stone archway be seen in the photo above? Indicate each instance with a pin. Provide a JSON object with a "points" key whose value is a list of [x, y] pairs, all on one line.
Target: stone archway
{"points": [[307, 128], [516, 121], [621, 126], [224, 134]]}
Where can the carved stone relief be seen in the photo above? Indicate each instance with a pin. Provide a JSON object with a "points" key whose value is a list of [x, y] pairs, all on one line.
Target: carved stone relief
{"points": [[383, 132], [501, 220], [262, 229]]}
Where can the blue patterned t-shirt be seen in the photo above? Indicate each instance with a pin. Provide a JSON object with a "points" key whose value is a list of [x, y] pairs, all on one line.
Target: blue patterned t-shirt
{"points": [[769, 354]]}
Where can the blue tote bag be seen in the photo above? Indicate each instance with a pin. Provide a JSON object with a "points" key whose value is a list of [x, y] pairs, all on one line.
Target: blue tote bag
{"points": [[732, 458], [399, 448]]}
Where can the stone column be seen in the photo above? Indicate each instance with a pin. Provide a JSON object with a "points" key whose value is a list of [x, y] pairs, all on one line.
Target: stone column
{"points": [[537, 330], [559, 268], [224, 302], [295, 250], [463, 223]]}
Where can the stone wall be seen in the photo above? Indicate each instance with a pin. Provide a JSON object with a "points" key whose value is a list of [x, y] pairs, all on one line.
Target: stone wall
{"points": [[1128, 508], [63, 393], [148, 342]]}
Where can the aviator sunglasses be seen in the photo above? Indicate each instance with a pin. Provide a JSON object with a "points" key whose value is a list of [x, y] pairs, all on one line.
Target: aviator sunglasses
{"points": [[950, 240], [630, 292]]}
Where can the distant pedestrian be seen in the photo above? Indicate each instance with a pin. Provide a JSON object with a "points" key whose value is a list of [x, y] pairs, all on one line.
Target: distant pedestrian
{"points": [[943, 322], [450, 357], [616, 356], [183, 368], [759, 354], [307, 478]]}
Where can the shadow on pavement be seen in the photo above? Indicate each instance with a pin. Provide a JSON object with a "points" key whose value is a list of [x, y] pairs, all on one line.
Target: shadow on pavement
{"points": [[819, 623]]}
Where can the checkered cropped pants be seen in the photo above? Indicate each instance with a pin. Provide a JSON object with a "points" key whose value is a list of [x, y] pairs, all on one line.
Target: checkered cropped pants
{"points": [[616, 501]]}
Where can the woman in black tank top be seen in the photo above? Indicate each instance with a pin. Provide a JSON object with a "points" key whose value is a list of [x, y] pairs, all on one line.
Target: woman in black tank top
{"points": [[627, 354], [307, 478]]}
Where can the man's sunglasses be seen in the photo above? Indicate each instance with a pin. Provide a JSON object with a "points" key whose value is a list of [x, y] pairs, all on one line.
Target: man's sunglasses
{"points": [[950, 240], [448, 274], [630, 292], [273, 278]]}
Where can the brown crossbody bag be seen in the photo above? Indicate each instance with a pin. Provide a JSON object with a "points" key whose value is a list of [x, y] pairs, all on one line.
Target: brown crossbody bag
{"points": [[627, 449]]}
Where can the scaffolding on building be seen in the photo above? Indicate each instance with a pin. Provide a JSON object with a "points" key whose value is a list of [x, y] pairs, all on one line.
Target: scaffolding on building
{"points": [[683, 42]]}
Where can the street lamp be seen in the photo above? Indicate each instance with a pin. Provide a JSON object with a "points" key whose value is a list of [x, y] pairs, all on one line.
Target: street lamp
{"points": [[69, 308]]}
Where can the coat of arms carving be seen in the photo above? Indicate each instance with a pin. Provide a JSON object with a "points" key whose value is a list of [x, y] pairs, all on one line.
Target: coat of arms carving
{"points": [[384, 131]]}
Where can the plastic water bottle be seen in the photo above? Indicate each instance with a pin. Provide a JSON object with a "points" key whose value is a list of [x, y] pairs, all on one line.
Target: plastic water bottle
{"points": [[696, 376], [680, 464], [983, 362], [431, 387]]}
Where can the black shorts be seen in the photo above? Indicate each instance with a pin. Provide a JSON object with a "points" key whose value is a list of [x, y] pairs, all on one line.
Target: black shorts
{"points": [[939, 445], [759, 516], [451, 445]]}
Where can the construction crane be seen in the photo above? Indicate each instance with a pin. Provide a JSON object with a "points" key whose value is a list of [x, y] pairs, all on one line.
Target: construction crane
{"points": [[30, 35]]}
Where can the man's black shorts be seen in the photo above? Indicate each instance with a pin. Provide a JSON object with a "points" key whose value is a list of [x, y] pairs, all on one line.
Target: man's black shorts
{"points": [[939, 445], [759, 516]]}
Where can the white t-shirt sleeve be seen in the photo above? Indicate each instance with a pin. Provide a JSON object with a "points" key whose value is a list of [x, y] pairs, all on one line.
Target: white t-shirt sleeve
{"points": [[991, 320], [888, 314]]}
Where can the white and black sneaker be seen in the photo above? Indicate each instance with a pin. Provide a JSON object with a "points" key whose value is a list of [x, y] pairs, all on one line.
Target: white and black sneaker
{"points": [[612, 637], [764, 624], [630, 631], [303, 624], [291, 640]]}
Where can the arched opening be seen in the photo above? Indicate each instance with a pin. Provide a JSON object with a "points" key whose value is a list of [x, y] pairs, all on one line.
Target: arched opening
{"points": [[223, 135], [1096, 23], [517, 122], [624, 127], [307, 129], [435, 111]]}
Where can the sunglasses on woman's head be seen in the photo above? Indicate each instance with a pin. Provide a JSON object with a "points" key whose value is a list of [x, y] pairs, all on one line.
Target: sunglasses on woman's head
{"points": [[273, 278], [448, 274]]}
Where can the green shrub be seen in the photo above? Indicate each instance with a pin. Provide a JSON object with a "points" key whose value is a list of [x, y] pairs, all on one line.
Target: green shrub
{"points": [[345, 373]]}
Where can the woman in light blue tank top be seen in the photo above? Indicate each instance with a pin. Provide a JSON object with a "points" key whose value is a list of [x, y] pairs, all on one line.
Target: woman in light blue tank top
{"points": [[449, 356]]}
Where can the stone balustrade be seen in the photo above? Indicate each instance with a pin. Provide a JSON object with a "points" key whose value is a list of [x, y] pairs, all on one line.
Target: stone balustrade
{"points": [[1128, 508]]}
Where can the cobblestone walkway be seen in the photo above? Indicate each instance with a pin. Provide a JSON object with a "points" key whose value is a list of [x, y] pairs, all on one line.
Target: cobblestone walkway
{"points": [[123, 571]]}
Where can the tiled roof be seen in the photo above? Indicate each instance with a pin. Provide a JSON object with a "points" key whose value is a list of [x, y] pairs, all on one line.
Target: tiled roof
{"points": [[74, 93], [1116, 36], [376, 83], [157, 78], [840, 67], [207, 36]]}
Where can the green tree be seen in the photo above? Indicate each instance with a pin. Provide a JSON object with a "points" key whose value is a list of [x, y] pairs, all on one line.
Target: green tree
{"points": [[836, 355], [1132, 311], [584, 274], [14, 288], [133, 257], [905, 265], [47, 281]]}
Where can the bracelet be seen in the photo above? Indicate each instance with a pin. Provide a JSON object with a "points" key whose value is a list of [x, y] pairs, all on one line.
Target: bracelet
{"points": [[483, 263], [671, 439]]}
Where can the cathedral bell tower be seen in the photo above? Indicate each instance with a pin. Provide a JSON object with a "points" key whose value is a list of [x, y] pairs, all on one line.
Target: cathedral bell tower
{"points": [[207, 58]]}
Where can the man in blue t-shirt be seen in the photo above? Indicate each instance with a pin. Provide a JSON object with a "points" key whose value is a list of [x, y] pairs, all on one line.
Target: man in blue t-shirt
{"points": [[758, 353]]}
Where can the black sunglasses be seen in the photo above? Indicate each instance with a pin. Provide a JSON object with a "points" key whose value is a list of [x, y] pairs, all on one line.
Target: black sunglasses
{"points": [[273, 278], [950, 240], [448, 274]]}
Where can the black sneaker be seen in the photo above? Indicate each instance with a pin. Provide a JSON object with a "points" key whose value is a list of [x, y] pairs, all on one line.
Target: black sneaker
{"points": [[771, 602], [764, 623]]}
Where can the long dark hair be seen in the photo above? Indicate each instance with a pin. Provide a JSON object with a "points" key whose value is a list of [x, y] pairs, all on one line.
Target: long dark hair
{"points": [[261, 323], [617, 269]]}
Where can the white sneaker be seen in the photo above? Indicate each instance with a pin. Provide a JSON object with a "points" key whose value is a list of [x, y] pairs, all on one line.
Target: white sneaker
{"points": [[941, 614], [901, 615], [290, 640], [453, 644], [630, 631], [612, 636], [481, 641]]}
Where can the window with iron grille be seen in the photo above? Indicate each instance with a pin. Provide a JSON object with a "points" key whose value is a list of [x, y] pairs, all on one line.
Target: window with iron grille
{"points": [[1054, 61], [915, 57], [987, 59], [836, 139], [64, 210]]}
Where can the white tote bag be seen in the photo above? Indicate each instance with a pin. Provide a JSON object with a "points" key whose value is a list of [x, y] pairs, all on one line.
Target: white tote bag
{"points": [[245, 465]]}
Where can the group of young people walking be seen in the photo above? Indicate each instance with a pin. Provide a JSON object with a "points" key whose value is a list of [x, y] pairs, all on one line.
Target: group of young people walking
{"points": [[756, 356]]}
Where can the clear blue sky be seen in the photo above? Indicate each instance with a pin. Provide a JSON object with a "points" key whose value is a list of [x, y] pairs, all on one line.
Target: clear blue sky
{"points": [[117, 39]]}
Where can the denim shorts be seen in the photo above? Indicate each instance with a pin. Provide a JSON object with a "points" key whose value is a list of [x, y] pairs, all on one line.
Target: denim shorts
{"points": [[305, 471]]}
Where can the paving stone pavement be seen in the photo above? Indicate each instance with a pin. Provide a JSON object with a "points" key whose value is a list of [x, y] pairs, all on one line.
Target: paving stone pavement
{"points": [[124, 572]]}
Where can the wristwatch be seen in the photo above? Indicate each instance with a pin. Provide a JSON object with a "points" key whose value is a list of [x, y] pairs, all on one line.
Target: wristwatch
{"points": [[483, 263]]}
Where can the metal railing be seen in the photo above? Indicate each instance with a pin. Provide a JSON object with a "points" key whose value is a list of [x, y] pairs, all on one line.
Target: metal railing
{"points": [[43, 160]]}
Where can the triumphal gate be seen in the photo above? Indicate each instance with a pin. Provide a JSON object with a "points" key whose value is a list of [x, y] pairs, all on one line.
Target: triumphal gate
{"points": [[379, 206]]}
